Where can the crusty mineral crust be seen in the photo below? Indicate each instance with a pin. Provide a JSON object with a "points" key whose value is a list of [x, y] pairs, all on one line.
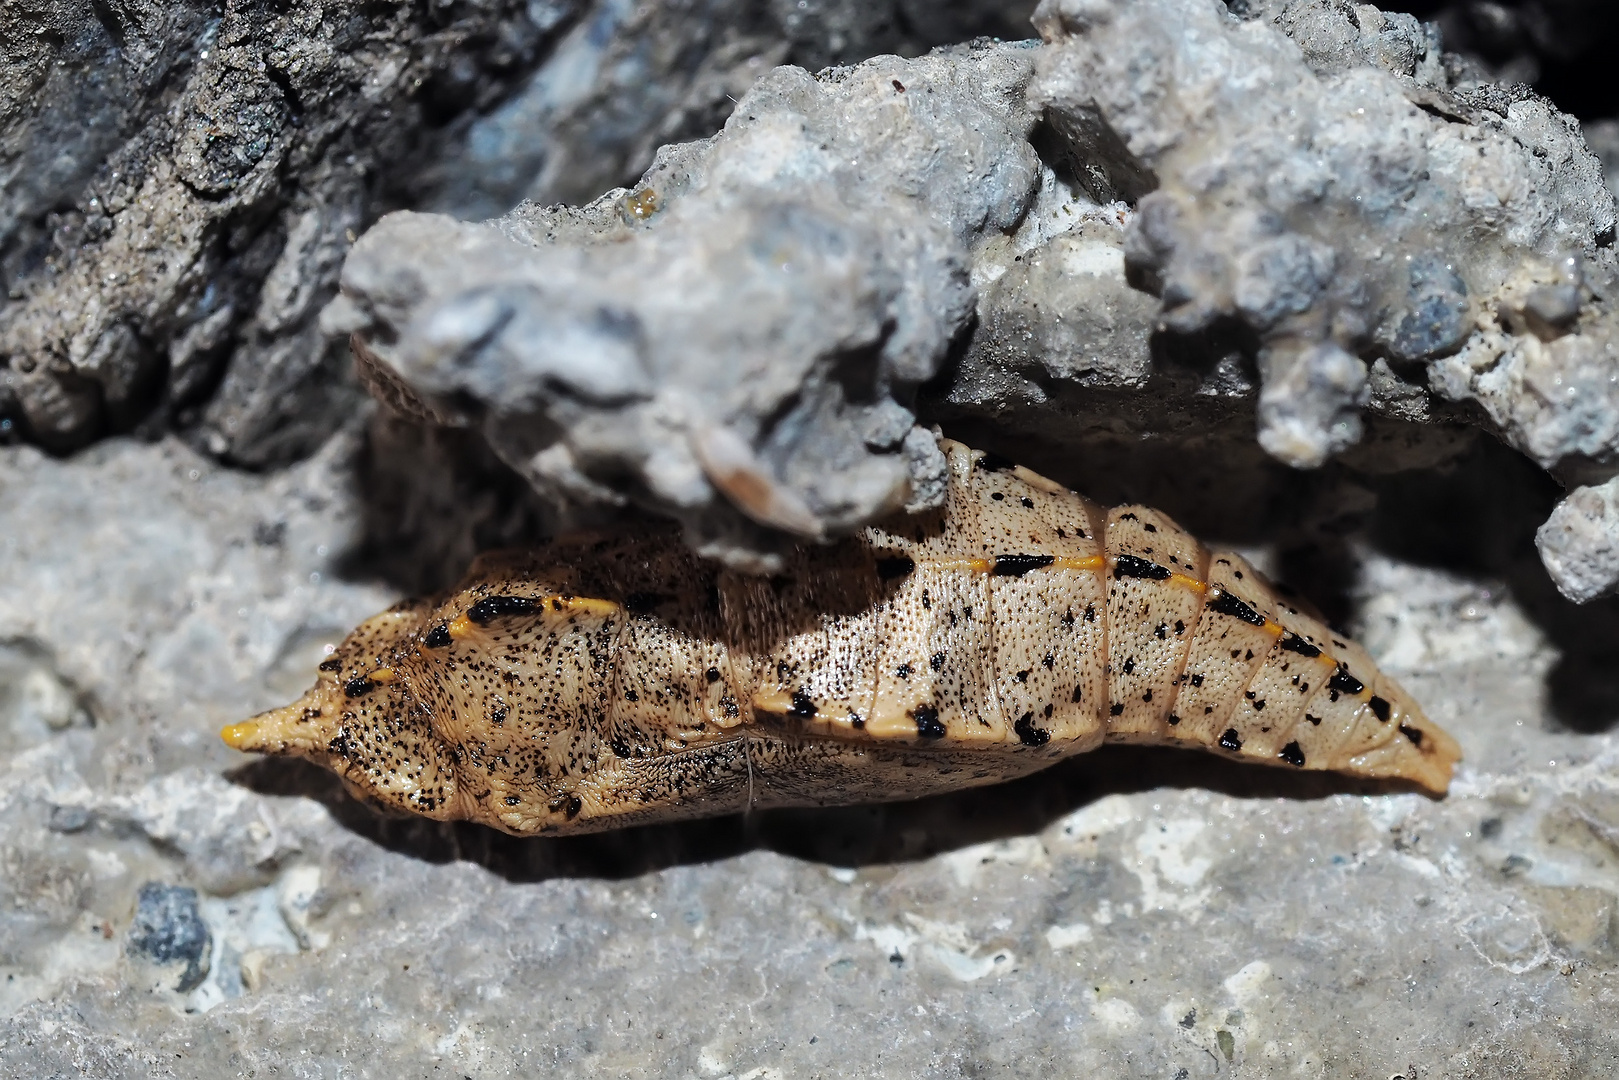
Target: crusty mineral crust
{"points": [[609, 682], [1173, 221]]}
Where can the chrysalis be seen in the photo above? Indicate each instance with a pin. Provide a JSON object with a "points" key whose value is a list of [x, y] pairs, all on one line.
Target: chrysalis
{"points": [[608, 681]]}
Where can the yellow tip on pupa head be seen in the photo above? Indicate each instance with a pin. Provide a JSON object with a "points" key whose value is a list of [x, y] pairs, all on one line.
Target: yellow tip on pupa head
{"points": [[243, 736], [299, 728]]}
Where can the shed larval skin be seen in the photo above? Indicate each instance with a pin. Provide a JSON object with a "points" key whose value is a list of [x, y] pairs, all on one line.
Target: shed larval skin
{"points": [[607, 681]]}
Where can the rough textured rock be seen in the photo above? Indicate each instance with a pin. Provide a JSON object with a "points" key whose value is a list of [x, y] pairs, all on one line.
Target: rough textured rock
{"points": [[1355, 229], [1580, 542], [1145, 912], [1320, 187], [167, 911], [735, 341], [178, 186]]}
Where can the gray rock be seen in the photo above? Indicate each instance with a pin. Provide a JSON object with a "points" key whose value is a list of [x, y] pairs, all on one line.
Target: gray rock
{"points": [[178, 188], [1314, 173], [169, 932], [735, 341], [1173, 913], [1580, 542], [1353, 230], [1137, 911]]}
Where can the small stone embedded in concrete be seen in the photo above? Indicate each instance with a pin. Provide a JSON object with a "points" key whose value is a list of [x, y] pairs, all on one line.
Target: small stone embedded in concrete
{"points": [[168, 931]]}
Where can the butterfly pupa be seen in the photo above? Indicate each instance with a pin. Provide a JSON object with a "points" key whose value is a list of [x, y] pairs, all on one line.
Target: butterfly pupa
{"points": [[605, 681]]}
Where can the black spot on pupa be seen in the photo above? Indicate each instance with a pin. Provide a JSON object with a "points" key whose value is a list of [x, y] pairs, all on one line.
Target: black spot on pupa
{"points": [[1128, 517], [490, 608], [1162, 631], [438, 637], [895, 566], [1028, 502], [927, 601], [857, 721], [1129, 665], [1028, 734], [1227, 604], [1292, 754], [631, 695], [1229, 740], [936, 661], [1180, 627], [803, 708], [567, 804], [1115, 709], [1260, 704], [1316, 720], [1197, 680], [1411, 733], [513, 800], [497, 715], [340, 744], [1147, 696], [1090, 612], [1293, 643], [1344, 682], [712, 674], [1379, 707], [1018, 565], [903, 671], [997, 496], [1023, 676], [1078, 691], [1173, 719], [1130, 566], [334, 664], [927, 722], [1049, 662], [1150, 527], [358, 686]]}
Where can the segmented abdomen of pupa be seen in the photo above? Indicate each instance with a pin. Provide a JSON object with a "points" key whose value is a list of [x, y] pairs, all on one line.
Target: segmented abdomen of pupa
{"points": [[604, 681]]}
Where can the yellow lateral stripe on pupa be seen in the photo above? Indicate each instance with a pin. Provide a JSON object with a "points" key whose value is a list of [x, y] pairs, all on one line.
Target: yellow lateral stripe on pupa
{"points": [[612, 680]]}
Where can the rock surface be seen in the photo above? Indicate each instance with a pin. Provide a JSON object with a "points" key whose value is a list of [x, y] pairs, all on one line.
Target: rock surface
{"points": [[1346, 225], [179, 185], [1135, 913], [168, 909], [734, 341]]}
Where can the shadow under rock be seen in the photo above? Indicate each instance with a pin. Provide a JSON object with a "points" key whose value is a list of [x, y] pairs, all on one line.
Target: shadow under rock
{"points": [[865, 835], [1479, 518], [431, 498]]}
